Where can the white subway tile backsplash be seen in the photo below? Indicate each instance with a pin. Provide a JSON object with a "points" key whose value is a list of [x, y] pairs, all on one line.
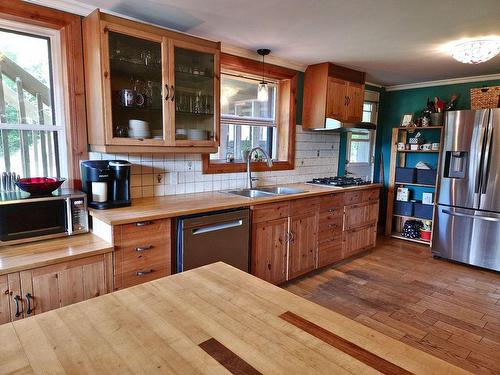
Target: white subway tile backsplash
{"points": [[316, 155]]}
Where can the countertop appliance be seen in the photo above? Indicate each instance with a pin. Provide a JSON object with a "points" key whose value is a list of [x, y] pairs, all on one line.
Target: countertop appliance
{"points": [[467, 218], [24, 218], [213, 237], [339, 181], [106, 182]]}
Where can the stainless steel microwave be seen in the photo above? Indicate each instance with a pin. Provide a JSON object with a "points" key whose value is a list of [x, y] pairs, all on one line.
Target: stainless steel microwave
{"points": [[25, 219]]}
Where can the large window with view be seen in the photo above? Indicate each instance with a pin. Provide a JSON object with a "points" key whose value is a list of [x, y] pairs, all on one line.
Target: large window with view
{"points": [[32, 129], [246, 122]]}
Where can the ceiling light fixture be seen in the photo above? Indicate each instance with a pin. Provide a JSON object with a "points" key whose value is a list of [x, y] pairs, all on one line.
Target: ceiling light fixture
{"points": [[475, 51], [263, 90]]}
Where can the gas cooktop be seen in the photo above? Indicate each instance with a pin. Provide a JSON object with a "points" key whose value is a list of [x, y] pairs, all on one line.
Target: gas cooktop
{"points": [[339, 181]]}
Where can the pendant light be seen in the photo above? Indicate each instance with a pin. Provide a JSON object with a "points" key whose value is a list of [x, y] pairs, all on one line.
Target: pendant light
{"points": [[263, 90]]}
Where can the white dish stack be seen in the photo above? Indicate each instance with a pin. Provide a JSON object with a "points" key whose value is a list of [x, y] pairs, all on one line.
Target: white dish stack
{"points": [[138, 129]]}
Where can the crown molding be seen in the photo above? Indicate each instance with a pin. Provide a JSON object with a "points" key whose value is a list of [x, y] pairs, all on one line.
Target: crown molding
{"points": [[443, 82], [70, 6]]}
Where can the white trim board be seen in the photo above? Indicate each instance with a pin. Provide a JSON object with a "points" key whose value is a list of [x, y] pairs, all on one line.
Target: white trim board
{"points": [[443, 82]]}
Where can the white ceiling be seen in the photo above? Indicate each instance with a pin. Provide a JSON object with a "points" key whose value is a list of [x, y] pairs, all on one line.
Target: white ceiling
{"points": [[394, 41]]}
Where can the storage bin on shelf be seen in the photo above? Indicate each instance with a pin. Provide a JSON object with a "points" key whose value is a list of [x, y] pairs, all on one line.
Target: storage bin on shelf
{"points": [[406, 175], [423, 211], [403, 208], [426, 176]]}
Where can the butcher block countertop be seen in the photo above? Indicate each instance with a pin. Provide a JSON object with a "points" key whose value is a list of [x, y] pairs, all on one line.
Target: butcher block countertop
{"points": [[24, 256], [211, 320], [188, 204]]}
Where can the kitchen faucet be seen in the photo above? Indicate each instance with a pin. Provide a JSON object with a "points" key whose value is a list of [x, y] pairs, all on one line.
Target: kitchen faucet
{"points": [[249, 158]]}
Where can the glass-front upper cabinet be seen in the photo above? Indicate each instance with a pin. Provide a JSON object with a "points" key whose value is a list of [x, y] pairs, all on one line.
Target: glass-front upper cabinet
{"points": [[149, 89], [196, 93], [136, 85]]}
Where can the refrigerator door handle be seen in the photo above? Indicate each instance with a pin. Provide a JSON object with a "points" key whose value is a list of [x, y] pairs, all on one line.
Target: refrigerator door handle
{"points": [[486, 162], [487, 218], [478, 177]]}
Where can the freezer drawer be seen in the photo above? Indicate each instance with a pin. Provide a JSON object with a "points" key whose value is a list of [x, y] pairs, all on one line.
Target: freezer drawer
{"points": [[213, 238], [467, 236]]}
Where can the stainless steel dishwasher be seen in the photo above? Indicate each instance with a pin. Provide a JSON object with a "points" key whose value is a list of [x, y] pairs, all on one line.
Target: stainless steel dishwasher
{"points": [[213, 237]]}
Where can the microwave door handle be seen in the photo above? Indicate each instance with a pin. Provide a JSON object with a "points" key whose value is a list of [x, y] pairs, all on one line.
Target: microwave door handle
{"points": [[216, 227], [480, 158], [69, 216], [461, 214], [486, 162]]}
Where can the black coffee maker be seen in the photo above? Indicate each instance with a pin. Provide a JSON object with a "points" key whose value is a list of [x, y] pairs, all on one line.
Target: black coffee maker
{"points": [[106, 182]]}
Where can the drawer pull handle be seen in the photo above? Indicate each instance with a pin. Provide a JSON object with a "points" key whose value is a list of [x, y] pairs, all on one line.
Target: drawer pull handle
{"points": [[333, 225], [143, 223], [144, 273], [143, 248], [17, 299], [28, 303], [332, 210]]}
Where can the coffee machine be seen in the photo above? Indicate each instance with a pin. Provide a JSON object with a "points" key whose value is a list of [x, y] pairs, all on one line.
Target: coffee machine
{"points": [[106, 182]]}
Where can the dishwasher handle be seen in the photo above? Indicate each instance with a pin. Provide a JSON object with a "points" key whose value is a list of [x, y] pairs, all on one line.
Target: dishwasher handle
{"points": [[216, 227]]}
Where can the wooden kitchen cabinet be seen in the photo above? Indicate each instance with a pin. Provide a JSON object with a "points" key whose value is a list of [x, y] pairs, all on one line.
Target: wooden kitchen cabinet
{"points": [[142, 252], [359, 239], [360, 214], [41, 289], [269, 256], [285, 239], [169, 80], [332, 92], [330, 245], [4, 300]]}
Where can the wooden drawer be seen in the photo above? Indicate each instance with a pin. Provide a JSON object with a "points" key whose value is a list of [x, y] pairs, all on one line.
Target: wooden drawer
{"points": [[371, 195], [329, 235], [134, 260], [144, 229], [305, 205], [333, 201], [332, 214], [361, 214], [271, 211], [359, 239], [329, 253], [353, 197], [153, 272]]}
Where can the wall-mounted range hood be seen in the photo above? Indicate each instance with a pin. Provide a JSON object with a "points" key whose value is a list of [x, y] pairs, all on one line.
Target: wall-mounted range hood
{"points": [[333, 125]]}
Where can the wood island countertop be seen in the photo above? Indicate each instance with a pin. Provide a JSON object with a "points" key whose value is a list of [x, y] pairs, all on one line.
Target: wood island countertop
{"points": [[211, 320], [194, 203], [24, 256]]}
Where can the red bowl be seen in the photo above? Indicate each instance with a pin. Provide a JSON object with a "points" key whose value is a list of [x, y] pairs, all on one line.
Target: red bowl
{"points": [[39, 185]]}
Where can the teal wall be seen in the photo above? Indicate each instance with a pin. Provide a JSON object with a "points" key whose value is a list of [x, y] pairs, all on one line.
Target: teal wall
{"points": [[392, 106]]}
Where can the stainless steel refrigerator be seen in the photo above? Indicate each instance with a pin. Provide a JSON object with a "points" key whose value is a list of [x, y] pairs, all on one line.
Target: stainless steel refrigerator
{"points": [[467, 219]]}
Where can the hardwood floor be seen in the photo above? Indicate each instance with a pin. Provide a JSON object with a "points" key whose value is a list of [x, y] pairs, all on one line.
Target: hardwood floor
{"points": [[446, 309]]}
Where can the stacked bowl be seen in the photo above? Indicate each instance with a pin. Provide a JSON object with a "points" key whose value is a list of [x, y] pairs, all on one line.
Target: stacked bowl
{"points": [[138, 129]]}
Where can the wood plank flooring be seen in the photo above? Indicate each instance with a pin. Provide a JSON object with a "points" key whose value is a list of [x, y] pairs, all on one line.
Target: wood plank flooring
{"points": [[446, 309]]}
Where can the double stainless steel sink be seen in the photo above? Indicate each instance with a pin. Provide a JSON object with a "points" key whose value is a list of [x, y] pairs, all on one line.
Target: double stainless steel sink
{"points": [[265, 191]]}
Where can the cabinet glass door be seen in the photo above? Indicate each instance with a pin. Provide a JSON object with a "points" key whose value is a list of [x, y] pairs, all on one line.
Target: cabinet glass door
{"points": [[195, 80], [136, 89]]}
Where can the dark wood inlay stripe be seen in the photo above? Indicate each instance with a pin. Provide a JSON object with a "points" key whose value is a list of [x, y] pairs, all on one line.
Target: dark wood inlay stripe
{"points": [[344, 345], [227, 358]]}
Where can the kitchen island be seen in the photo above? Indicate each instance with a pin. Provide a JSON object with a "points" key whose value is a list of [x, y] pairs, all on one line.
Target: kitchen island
{"points": [[210, 320]]}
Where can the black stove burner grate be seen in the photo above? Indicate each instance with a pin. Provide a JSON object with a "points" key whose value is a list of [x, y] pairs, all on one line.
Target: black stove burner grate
{"points": [[339, 181]]}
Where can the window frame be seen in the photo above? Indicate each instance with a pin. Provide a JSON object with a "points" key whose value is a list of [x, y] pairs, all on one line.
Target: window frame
{"points": [[286, 80], [67, 28]]}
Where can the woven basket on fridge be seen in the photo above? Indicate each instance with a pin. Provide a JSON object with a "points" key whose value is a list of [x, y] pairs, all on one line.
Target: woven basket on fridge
{"points": [[485, 97]]}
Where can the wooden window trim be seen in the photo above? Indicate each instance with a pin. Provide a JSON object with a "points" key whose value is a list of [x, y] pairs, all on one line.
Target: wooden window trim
{"points": [[285, 115], [70, 29]]}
